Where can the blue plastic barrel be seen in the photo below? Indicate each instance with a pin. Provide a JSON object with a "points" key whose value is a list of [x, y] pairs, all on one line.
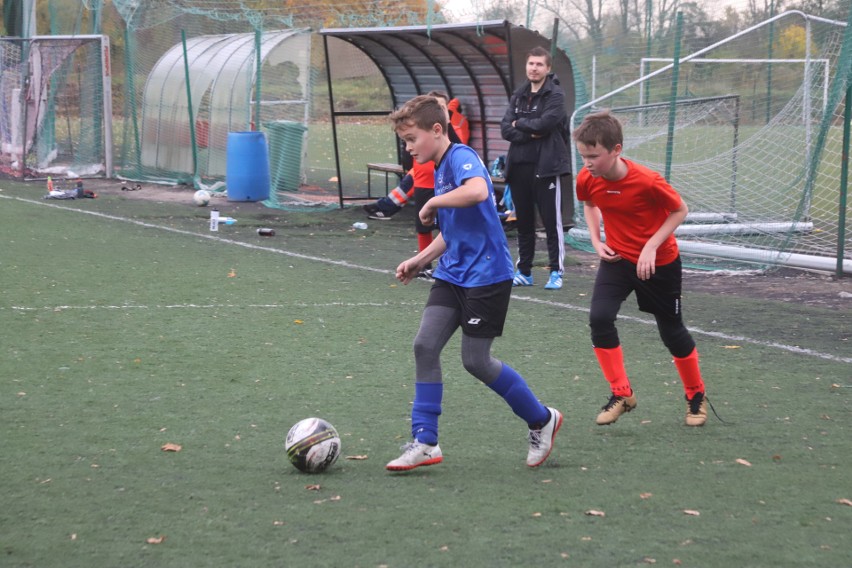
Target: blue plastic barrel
{"points": [[247, 166]]}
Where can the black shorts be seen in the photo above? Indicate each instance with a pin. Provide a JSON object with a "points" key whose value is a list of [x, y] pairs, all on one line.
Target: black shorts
{"points": [[482, 309], [659, 295]]}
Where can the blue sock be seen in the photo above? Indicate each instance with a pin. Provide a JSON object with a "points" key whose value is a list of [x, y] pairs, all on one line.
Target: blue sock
{"points": [[425, 412], [515, 391]]}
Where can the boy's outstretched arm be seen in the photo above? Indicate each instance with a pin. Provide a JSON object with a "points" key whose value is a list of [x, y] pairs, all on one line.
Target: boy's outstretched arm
{"points": [[474, 190], [409, 269]]}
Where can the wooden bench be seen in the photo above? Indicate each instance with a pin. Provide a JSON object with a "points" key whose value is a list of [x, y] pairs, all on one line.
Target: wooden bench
{"points": [[397, 169], [385, 169]]}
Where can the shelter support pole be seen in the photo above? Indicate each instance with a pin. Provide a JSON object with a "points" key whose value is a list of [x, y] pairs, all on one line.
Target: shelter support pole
{"points": [[333, 120], [258, 63], [189, 106], [129, 48]]}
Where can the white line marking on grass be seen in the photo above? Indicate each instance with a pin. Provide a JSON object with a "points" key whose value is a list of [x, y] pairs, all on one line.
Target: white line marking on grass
{"points": [[699, 331], [203, 236], [571, 307], [208, 306]]}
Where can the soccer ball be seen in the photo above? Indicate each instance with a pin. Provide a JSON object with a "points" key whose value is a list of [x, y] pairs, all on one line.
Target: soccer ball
{"points": [[202, 197], [312, 445]]}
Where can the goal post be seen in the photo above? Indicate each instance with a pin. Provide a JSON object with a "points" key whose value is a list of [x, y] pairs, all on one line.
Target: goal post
{"points": [[56, 100]]}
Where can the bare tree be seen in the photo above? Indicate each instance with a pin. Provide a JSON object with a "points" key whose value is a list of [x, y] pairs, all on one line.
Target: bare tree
{"points": [[760, 10], [582, 18]]}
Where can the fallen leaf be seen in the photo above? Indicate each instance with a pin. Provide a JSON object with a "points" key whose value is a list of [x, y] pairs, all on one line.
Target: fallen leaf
{"points": [[156, 540], [648, 560], [547, 481], [586, 538], [73, 536], [232, 273], [691, 512], [444, 548], [298, 321], [335, 498], [741, 461], [776, 457], [645, 495], [22, 393], [563, 554], [278, 523], [594, 513], [731, 347], [333, 179], [360, 457], [536, 514], [845, 502], [169, 447], [313, 487]]}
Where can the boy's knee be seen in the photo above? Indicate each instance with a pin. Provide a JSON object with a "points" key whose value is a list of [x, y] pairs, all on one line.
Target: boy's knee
{"points": [[604, 333]]}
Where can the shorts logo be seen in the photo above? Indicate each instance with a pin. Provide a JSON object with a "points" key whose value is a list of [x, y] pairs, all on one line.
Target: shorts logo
{"points": [[474, 321]]}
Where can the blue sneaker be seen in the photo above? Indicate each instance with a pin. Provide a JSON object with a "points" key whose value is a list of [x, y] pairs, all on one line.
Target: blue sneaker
{"points": [[522, 280], [555, 282]]}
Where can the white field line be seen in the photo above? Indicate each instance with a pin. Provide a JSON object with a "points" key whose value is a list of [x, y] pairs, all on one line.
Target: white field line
{"points": [[570, 307]]}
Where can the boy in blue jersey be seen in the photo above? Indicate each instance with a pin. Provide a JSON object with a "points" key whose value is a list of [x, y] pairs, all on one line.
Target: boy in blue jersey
{"points": [[473, 283]]}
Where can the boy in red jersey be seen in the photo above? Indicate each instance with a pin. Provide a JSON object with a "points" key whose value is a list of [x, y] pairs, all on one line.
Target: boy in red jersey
{"points": [[640, 212]]}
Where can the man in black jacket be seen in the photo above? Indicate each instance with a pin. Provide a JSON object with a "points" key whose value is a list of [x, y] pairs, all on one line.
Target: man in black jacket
{"points": [[536, 125]]}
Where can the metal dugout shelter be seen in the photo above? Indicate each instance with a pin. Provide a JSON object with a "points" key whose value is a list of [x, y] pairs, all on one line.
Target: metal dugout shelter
{"points": [[480, 64]]}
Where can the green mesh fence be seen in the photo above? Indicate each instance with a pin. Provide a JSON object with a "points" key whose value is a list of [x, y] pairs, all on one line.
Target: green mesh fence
{"points": [[749, 127]]}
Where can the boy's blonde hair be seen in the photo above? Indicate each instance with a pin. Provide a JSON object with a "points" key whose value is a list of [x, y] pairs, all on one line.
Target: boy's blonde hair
{"points": [[600, 129], [422, 112]]}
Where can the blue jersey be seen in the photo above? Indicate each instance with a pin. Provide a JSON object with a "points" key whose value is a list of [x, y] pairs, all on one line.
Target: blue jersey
{"points": [[477, 252]]}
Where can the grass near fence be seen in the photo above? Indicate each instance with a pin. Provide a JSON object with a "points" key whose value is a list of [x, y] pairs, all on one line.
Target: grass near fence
{"points": [[127, 325]]}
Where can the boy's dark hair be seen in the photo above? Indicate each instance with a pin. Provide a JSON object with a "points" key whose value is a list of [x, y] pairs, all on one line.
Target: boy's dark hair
{"points": [[539, 52], [600, 129], [422, 112]]}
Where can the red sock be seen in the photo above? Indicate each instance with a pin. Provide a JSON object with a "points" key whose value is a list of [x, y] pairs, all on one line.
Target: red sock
{"points": [[612, 365], [423, 241], [690, 374]]}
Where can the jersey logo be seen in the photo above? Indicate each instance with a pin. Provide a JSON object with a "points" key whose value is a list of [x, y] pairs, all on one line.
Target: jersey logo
{"points": [[468, 166]]}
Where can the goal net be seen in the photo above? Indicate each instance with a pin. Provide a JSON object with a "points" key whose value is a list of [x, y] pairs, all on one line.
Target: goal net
{"points": [[753, 144], [56, 107]]}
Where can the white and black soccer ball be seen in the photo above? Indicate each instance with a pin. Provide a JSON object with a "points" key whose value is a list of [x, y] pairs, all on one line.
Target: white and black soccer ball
{"points": [[202, 197], [312, 445]]}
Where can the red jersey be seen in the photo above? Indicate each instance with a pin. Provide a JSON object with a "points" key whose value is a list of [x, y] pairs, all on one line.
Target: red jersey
{"points": [[423, 174], [633, 209]]}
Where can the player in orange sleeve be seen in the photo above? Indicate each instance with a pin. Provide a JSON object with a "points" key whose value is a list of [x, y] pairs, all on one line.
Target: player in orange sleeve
{"points": [[640, 212], [386, 207]]}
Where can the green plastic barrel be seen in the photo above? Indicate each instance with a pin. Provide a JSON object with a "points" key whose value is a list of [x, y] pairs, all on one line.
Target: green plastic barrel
{"points": [[285, 153]]}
